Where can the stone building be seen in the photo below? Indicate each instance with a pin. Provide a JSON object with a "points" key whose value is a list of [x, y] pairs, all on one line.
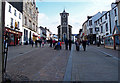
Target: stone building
{"points": [[29, 19], [64, 30]]}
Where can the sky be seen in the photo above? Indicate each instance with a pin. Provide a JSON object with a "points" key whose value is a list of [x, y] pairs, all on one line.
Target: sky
{"points": [[49, 12]]}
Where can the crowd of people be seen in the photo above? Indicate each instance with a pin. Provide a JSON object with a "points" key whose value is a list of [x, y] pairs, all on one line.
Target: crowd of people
{"points": [[57, 45], [81, 43]]}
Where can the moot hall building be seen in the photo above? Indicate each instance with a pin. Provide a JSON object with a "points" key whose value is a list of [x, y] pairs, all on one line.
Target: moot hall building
{"points": [[64, 30]]}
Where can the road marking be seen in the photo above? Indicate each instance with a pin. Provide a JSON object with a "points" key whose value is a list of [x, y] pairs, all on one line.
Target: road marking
{"points": [[109, 55], [20, 54], [67, 76]]}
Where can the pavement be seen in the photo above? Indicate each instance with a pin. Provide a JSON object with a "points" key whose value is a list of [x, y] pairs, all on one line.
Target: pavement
{"points": [[93, 65], [96, 64]]}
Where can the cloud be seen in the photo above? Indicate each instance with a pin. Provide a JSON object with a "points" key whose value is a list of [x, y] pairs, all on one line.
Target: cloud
{"points": [[50, 23]]}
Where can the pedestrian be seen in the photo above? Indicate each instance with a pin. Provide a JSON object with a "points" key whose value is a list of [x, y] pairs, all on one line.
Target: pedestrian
{"points": [[66, 44], [84, 44], [77, 44], [40, 42], [54, 43], [32, 42], [51, 42], [60, 45], [70, 43], [36, 43]]}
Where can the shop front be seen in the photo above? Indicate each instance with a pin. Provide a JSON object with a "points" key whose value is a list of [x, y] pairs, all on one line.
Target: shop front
{"points": [[113, 41], [14, 37]]}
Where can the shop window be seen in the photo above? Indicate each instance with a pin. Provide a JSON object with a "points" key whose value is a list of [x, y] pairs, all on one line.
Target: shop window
{"points": [[12, 38], [117, 40], [109, 41]]}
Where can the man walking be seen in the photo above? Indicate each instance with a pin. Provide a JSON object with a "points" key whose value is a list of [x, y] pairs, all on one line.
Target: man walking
{"points": [[84, 44], [70, 43], [66, 44]]}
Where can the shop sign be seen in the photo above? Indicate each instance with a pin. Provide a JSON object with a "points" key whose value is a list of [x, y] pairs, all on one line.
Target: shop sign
{"points": [[8, 30]]}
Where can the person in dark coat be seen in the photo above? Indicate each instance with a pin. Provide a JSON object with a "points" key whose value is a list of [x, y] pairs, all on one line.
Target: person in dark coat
{"points": [[36, 43], [70, 43], [51, 42], [32, 42], [84, 44], [66, 44], [77, 44], [40, 42]]}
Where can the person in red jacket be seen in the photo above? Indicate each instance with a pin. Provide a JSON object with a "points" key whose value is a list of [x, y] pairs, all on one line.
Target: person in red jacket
{"points": [[60, 45]]}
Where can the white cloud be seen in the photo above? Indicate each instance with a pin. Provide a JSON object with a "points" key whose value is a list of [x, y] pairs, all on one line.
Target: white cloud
{"points": [[50, 23]]}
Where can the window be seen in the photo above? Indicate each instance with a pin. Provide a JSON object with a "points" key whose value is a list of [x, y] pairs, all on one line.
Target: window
{"points": [[90, 22], [15, 12], [30, 11], [19, 16], [106, 26], [9, 8], [101, 29], [11, 21], [91, 30], [26, 6], [33, 26], [18, 24], [25, 20], [115, 12], [105, 16], [101, 19], [30, 24]]}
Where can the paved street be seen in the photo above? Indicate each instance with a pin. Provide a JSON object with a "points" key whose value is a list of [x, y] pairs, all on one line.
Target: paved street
{"points": [[35, 64], [46, 64]]}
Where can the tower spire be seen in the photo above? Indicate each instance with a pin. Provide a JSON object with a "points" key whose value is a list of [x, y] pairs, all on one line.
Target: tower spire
{"points": [[64, 10]]}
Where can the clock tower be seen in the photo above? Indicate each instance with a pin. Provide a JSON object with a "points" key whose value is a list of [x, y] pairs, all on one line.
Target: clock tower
{"points": [[64, 30]]}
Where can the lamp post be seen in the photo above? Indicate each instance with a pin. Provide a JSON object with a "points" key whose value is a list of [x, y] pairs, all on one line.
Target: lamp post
{"points": [[0, 41]]}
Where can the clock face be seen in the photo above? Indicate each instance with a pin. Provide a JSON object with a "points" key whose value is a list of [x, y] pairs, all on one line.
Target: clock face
{"points": [[64, 16]]}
